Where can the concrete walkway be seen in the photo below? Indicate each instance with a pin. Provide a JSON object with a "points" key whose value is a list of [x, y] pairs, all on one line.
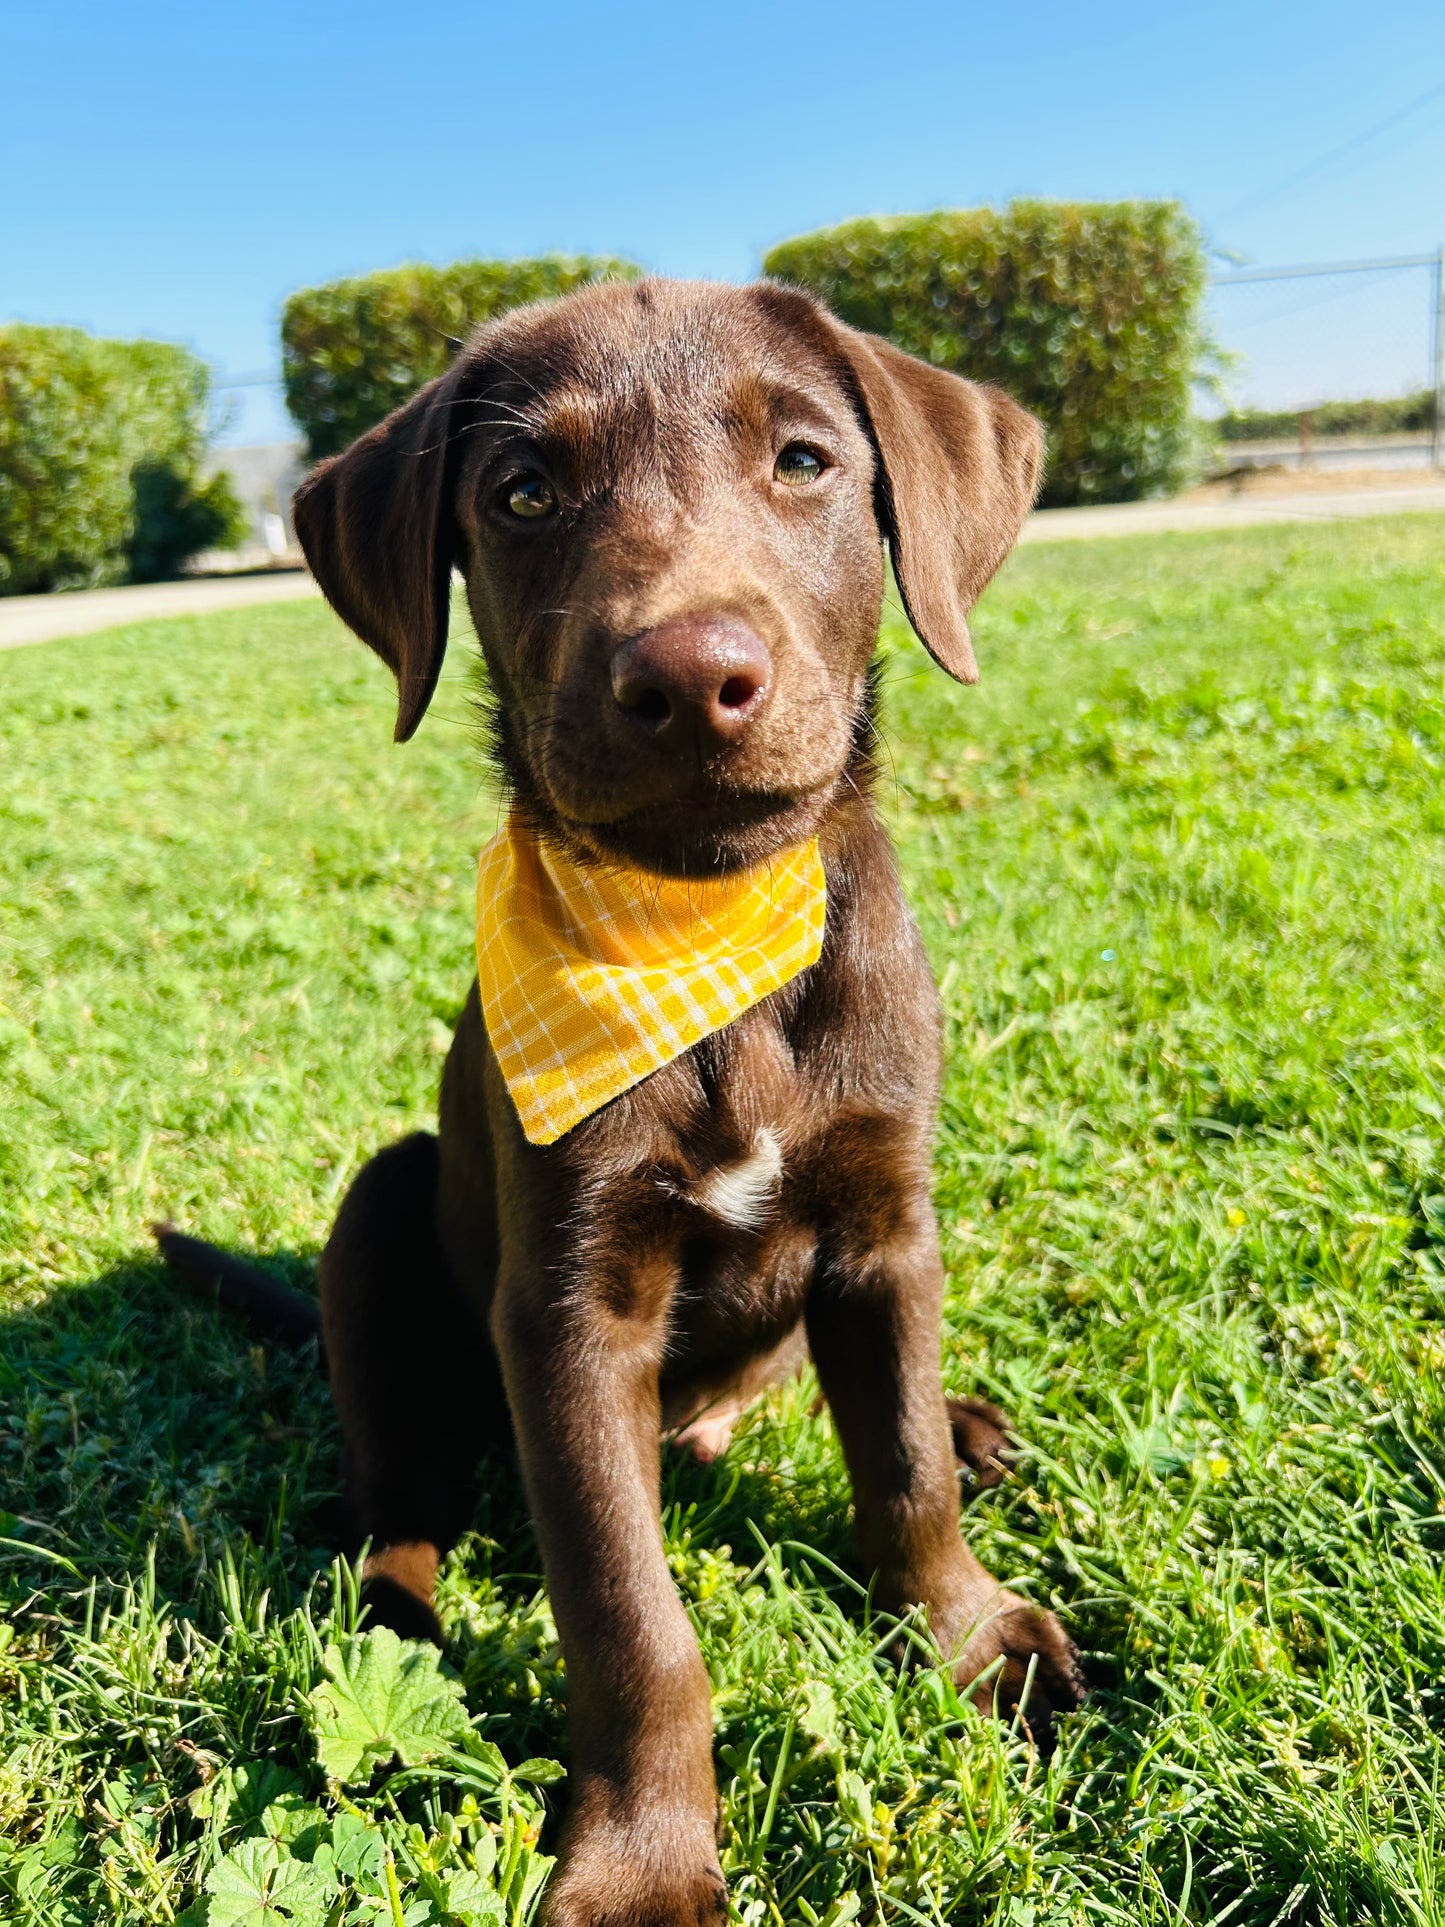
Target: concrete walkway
{"points": [[39, 618], [78, 612], [1245, 511]]}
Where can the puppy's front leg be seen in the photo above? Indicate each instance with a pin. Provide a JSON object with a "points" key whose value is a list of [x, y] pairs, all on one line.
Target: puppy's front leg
{"points": [[639, 1847], [874, 1324]]}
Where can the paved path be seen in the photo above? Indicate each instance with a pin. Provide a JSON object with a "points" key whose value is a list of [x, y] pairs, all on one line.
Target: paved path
{"points": [[1244, 511], [38, 618]]}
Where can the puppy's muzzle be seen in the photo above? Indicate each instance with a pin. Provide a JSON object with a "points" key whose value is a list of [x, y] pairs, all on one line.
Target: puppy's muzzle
{"points": [[695, 684]]}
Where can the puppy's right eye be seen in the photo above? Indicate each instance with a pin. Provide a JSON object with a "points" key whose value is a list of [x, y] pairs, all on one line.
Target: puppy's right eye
{"points": [[529, 496], [798, 465]]}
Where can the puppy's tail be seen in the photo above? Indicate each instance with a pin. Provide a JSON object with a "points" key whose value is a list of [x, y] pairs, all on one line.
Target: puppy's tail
{"points": [[272, 1310]]}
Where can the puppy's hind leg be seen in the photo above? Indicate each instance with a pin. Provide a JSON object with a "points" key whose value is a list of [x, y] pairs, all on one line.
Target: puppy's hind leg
{"points": [[415, 1382]]}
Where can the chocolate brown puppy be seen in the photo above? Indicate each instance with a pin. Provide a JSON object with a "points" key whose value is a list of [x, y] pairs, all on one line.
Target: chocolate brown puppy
{"points": [[670, 503]]}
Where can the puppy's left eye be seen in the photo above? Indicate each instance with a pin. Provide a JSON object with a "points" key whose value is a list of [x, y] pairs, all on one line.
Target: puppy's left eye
{"points": [[530, 496], [798, 465]]}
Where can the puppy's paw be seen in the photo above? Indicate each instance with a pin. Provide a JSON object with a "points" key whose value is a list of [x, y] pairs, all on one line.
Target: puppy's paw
{"points": [[608, 1884], [1015, 1639], [398, 1586], [980, 1440], [392, 1605]]}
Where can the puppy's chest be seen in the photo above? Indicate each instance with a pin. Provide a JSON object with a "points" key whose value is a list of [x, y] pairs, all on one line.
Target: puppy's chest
{"points": [[743, 1192], [739, 1163], [744, 1250]]}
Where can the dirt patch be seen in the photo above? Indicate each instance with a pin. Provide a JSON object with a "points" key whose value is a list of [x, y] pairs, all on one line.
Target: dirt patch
{"points": [[1307, 481]]}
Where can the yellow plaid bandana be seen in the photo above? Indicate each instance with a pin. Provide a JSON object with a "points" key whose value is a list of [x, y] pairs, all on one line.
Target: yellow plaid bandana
{"points": [[591, 979]]}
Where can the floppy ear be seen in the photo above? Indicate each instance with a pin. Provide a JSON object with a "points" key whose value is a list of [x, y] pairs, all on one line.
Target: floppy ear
{"points": [[375, 525], [959, 467]]}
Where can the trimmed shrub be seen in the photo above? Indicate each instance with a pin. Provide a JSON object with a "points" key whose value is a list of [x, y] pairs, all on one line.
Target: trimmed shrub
{"points": [[88, 429], [351, 351], [1087, 313]]}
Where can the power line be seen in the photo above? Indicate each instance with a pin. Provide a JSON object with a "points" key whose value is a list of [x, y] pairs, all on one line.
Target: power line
{"points": [[1335, 153], [1316, 300], [1386, 264]]}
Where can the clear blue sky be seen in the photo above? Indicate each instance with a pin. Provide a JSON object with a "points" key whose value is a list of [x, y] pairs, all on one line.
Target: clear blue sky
{"points": [[176, 169]]}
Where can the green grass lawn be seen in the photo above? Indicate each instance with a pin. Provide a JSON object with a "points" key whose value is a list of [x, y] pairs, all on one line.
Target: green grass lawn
{"points": [[1180, 862]]}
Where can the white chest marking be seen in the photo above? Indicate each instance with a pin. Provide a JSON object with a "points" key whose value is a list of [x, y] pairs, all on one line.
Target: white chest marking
{"points": [[742, 1194]]}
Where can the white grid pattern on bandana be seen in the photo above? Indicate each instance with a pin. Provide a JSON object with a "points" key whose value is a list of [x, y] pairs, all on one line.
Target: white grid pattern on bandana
{"points": [[591, 980]]}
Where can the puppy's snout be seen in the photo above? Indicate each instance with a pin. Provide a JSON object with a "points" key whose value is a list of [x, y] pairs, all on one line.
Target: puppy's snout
{"points": [[693, 683]]}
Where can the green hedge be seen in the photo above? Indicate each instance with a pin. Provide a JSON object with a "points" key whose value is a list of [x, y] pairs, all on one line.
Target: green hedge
{"points": [[100, 446], [354, 350], [1087, 313], [1401, 414]]}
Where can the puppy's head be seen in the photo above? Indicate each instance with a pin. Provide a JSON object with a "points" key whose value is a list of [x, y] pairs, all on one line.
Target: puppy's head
{"points": [[668, 501]]}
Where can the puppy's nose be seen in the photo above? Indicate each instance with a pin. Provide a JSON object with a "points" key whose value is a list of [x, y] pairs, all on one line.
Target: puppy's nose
{"points": [[694, 682]]}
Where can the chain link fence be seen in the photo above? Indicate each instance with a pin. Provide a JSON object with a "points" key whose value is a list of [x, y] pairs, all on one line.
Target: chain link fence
{"points": [[1299, 342]]}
